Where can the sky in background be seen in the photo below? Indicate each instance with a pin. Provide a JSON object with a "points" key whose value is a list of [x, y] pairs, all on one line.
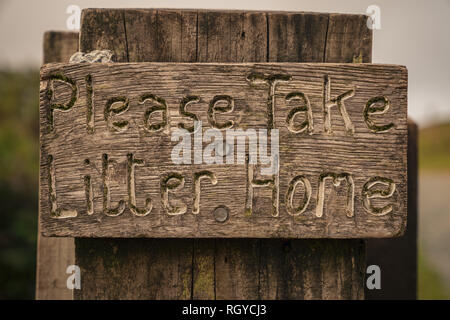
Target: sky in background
{"points": [[415, 33]]}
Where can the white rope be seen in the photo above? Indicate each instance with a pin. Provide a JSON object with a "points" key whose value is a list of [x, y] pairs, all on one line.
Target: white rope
{"points": [[101, 56]]}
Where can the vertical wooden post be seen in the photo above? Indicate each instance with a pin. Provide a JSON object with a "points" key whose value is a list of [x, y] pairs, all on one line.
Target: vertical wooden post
{"points": [[397, 258], [54, 255], [137, 268], [59, 46], [223, 268]]}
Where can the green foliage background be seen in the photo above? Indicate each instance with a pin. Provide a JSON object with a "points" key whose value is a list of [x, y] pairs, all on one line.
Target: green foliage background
{"points": [[19, 165], [434, 157], [434, 148]]}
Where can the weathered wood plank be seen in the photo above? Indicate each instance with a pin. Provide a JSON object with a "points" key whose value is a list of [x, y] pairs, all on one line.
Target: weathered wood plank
{"points": [[54, 255], [365, 152]]}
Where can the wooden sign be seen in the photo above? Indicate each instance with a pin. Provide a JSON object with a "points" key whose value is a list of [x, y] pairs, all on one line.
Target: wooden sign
{"points": [[259, 150]]}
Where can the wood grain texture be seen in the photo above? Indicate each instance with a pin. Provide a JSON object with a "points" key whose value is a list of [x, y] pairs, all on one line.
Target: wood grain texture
{"points": [[236, 284], [348, 39], [239, 264], [59, 46], [397, 258], [297, 37], [104, 30], [107, 275], [144, 37], [54, 255], [231, 36], [170, 35], [312, 269], [361, 155], [233, 263]]}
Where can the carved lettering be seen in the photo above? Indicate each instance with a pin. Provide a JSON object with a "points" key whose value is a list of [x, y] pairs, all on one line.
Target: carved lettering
{"points": [[172, 182], [259, 183], [132, 163], [185, 102], [157, 105], [271, 80], [198, 177], [88, 191], [336, 179], [112, 212], [56, 212], [50, 94], [214, 107], [290, 196], [370, 109], [307, 125], [368, 193], [89, 104], [339, 102], [115, 107]]}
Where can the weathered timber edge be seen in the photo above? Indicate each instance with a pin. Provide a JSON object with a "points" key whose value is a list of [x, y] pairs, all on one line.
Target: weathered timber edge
{"points": [[54, 255]]}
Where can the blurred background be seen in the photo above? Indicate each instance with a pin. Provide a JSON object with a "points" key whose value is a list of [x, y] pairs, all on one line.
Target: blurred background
{"points": [[412, 33]]}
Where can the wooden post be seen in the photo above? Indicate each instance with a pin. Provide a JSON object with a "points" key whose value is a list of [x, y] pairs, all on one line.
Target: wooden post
{"points": [[397, 257], [59, 46], [54, 255], [222, 268]]}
